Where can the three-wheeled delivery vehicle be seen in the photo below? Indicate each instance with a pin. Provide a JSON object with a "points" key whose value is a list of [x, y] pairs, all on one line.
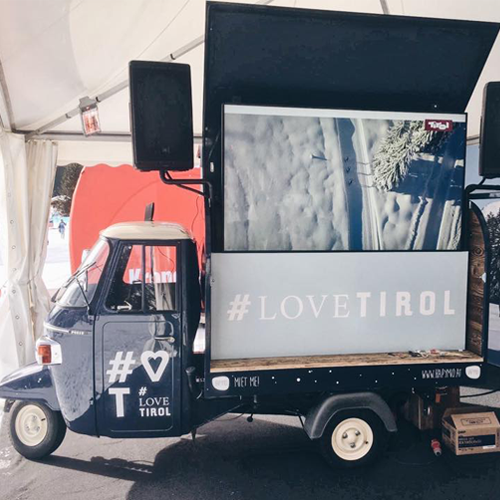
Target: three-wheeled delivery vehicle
{"points": [[345, 267]]}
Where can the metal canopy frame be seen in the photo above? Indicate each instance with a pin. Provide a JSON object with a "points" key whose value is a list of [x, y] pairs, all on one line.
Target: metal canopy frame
{"points": [[48, 127], [6, 115], [47, 132]]}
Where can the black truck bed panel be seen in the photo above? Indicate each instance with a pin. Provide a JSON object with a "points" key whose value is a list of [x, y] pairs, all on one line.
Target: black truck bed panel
{"points": [[317, 374]]}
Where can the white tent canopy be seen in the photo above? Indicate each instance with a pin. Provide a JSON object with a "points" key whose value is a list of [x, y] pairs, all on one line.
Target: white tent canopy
{"points": [[54, 52]]}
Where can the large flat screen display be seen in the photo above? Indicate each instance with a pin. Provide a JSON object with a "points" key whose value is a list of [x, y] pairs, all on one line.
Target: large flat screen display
{"points": [[335, 180]]}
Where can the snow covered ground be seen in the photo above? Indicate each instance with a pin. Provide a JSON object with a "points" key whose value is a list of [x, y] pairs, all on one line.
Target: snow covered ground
{"points": [[57, 268], [306, 183]]}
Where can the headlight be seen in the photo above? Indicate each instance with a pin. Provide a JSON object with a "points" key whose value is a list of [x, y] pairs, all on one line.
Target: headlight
{"points": [[48, 351]]}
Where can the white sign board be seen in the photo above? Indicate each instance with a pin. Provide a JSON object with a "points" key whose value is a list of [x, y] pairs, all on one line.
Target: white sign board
{"points": [[304, 304]]}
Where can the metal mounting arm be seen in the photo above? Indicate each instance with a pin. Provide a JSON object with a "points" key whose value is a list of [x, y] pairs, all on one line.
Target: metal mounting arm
{"points": [[166, 178], [482, 187]]}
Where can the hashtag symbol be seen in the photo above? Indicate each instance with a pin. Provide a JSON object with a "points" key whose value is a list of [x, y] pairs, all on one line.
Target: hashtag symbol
{"points": [[238, 307], [142, 391], [120, 368]]}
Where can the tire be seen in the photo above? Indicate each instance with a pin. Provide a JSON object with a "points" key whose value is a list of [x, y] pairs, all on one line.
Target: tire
{"points": [[35, 430], [353, 438]]}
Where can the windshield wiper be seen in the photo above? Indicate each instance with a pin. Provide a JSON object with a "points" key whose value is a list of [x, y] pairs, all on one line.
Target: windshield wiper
{"points": [[81, 289], [70, 279], [79, 272]]}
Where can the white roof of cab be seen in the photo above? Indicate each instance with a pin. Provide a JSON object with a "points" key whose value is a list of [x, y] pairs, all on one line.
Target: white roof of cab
{"points": [[146, 231]]}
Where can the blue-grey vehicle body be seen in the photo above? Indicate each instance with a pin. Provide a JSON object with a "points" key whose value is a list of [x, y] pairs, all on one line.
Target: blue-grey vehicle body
{"points": [[30, 383], [73, 379]]}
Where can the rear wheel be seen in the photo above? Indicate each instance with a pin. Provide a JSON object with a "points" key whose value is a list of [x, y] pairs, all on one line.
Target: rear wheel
{"points": [[35, 430], [353, 438]]}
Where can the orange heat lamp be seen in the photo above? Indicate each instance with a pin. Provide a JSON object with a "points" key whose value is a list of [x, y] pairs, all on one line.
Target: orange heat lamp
{"points": [[89, 113]]}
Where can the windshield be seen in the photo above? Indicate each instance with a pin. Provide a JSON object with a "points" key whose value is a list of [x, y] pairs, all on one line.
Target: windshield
{"points": [[79, 290]]}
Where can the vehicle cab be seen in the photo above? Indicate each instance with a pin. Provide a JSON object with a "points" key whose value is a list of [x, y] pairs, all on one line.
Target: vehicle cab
{"points": [[121, 333]]}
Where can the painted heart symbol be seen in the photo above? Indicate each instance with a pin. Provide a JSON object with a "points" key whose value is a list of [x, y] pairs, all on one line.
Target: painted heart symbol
{"points": [[146, 358]]}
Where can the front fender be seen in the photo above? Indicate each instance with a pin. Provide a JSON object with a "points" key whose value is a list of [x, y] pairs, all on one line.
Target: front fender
{"points": [[32, 383]]}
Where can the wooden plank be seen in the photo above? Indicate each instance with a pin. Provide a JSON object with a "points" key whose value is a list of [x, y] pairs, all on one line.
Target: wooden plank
{"points": [[475, 294], [296, 362]]}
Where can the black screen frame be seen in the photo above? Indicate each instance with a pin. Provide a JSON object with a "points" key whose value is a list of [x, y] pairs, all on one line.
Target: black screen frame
{"points": [[221, 219]]}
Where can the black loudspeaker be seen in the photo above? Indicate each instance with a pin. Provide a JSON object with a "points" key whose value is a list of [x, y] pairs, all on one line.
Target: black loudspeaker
{"points": [[489, 151], [161, 115]]}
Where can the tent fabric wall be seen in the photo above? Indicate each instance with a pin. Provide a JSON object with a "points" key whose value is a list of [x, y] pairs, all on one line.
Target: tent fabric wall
{"points": [[26, 180], [41, 161]]}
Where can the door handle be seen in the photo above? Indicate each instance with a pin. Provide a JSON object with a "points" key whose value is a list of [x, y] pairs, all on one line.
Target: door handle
{"points": [[169, 339]]}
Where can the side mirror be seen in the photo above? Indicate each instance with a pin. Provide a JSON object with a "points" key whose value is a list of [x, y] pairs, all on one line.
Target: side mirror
{"points": [[489, 149], [161, 115]]}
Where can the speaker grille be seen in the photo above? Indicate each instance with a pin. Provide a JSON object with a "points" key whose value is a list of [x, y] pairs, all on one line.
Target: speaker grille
{"points": [[161, 115]]}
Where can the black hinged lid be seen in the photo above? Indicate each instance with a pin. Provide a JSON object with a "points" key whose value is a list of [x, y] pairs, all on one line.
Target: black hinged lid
{"points": [[282, 56]]}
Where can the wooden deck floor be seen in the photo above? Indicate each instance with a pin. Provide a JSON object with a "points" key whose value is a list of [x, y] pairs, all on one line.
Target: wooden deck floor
{"points": [[397, 358]]}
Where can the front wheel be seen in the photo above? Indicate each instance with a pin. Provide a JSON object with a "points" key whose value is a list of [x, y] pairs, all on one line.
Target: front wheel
{"points": [[353, 438], [35, 430]]}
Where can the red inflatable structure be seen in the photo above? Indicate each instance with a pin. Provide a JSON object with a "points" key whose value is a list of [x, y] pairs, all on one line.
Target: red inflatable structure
{"points": [[105, 195]]}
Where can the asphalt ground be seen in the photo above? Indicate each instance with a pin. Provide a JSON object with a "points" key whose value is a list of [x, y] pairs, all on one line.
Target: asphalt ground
{"points": [[270, 458]]}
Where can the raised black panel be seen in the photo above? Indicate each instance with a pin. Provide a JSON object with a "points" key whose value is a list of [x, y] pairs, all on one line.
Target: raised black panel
{"points": [[311, 58], [265, 55]]}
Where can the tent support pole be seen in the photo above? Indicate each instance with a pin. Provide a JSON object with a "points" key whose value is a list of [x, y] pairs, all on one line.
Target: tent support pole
{"points": [[385, 7], [6, 115]]}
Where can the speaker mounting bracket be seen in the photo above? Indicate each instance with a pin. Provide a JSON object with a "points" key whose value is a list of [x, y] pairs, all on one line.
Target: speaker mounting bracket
{"points": [[167, 179]]}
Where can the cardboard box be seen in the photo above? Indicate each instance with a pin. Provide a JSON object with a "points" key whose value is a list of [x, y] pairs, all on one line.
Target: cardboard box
{"points": [[471, 430], [426, 414]]}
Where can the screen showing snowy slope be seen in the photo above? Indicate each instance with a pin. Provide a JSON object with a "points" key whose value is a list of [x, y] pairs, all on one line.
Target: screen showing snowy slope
{"points": [[313, 179]]}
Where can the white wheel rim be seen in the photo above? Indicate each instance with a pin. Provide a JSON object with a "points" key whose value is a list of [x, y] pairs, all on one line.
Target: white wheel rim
{"points": [[31, 425], [352, 439]]}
